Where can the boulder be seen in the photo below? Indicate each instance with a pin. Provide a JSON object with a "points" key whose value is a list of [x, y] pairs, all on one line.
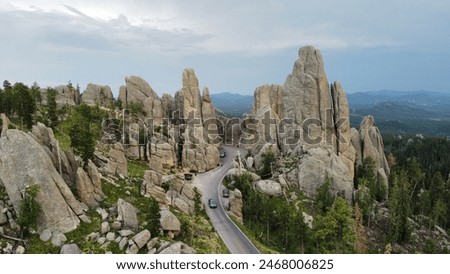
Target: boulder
{"points": [[98, 95], [58, 238], [104, 228], [315, 164], [110, 236], [45, 235], [269, 187], [19, 153], [127, 213], [3, 217], [174, 248], [70, 249], [87, 191], [142, 238], [118, 163], [169, 222]]}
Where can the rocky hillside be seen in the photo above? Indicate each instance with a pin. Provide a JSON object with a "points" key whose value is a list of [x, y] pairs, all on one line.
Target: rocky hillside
{"points": [[106, 203]]}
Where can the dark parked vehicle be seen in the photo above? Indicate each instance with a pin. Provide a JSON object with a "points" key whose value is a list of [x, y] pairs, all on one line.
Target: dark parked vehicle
{"points": [[212, 203], [226, 193], [188, 176], [222, 154]]}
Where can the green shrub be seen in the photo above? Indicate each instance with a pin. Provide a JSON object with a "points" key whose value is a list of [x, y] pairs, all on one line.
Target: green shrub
{"points": [[29, 208]]}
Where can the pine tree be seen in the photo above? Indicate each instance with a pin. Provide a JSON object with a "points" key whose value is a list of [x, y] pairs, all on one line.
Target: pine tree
{"points": [[360, 231], [334, 232], [399, 207], [25, 104], [52, 107], [153, 216], [324, 200]]}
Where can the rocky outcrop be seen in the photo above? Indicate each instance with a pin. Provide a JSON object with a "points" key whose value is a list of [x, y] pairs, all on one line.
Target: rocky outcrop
{"points": [[65, 95], [197, 155], [199, 151], [191, 103], [136, 90], [235, 205], [98, 95], [169, 222], [269, 187], [127, 214], [19, 153], [64, 161], [306, 121], [307, 101], [265, 116], [88, 185], [151, 186], [117, 162], [342, 134], [371, 144], [162, 152], [314, 164]]}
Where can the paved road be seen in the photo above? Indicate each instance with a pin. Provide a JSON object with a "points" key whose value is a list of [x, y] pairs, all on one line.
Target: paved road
{"points": [[210, 184]]}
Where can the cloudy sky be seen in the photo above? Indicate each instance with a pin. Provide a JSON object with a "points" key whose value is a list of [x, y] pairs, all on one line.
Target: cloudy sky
{"points": [[233, 45]]}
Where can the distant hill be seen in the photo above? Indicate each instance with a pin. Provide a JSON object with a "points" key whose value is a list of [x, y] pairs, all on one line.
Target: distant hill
{"points": [[427, 100], [232, 104], [403, 112], [395, 112]]}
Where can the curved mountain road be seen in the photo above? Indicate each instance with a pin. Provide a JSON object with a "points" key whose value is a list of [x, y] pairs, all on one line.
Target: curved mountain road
{"points": [[211, 187]]}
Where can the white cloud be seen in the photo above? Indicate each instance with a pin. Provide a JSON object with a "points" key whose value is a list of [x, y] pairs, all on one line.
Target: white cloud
{"points": [[72, 37]]}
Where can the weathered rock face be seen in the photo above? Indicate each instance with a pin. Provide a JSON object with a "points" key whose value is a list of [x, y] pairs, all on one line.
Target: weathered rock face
{"points": [[64, 161], [236, 204], [198, 155], [127, 215], [266, 115], [118, 163], [162, 152], [151, 186], [191, 101], [268, 95], [5, 124], [66, 95], [307, 100], [269, 187], [342, 130], [169, 222], [136, 90], [98, 95], [371, 144], [199, 151], [314, 165], [89, 185], [309, 124], [19, 153]]}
